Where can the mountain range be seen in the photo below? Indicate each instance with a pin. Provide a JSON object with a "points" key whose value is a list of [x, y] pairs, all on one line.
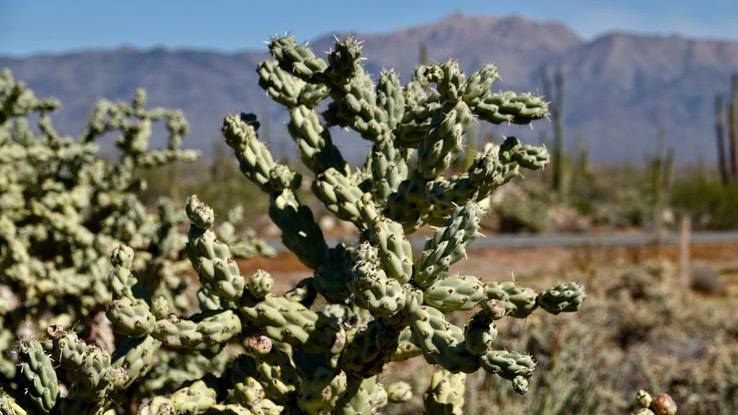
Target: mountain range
{"points": [[620, 89]]}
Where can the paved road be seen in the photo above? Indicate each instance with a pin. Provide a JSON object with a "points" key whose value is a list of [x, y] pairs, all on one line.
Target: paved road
{"points": [[530, 241], [527, 241]]}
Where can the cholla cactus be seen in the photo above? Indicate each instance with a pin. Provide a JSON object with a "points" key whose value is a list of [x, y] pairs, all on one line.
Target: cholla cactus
{"points": [[62, 211], [384, 303], [320, 347]]}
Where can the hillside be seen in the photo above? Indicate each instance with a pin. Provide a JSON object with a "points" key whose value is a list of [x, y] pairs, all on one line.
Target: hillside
{"points": [[619, 90]]}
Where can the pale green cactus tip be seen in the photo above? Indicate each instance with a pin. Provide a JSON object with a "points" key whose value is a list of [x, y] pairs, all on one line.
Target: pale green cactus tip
{"points": [[662, 404], [200, 214], [562, 298], [643, 398], [239, 128], [122, 256], [260, 284], [399, 392], [281, 177], [445, 394]]}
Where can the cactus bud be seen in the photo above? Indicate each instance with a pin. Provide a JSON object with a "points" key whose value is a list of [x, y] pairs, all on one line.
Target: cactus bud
{"points": [[260, 284], [562, 298], [258, 345], [643, 399], [663, 404], [399, 392], [201, 215]]}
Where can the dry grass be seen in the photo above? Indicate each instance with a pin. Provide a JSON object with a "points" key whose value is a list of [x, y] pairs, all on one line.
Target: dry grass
{"points": [[638, 329]]}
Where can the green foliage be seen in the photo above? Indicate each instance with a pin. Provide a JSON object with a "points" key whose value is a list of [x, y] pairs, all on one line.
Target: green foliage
{"points": [[616, 196], [710, 203]]}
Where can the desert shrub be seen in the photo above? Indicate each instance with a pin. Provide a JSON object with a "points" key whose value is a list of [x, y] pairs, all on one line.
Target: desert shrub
{"points": [[524, 208], [711, 204], [636, 332]]}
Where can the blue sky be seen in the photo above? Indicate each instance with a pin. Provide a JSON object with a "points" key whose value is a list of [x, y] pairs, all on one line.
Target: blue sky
{"points": [[33, 26]]}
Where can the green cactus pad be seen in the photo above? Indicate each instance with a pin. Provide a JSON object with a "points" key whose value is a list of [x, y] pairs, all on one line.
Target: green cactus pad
{"points": [[260, 284], [200, 214], [562, 298], [372, 289], [137, 357], [254, 158], [399, 392], [300, 233], [445, 394], [394, 249], [441, 342], [454, 293], [479, 333], [519, 302], [448, 244], [342, 197], [298, 60], [370, 349], [321, 391], [198, 332], [131, 317], [508, 365], [314, 141]]}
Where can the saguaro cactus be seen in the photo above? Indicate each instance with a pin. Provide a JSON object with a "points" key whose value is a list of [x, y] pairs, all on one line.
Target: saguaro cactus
{"points": [[556, 94], [720, 139]]}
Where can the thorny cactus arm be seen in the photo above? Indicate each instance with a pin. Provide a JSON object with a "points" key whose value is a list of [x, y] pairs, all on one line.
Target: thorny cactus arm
{"points": [[18, 100], [445, 395], [210, 257], [300, 232], [38, 373]]}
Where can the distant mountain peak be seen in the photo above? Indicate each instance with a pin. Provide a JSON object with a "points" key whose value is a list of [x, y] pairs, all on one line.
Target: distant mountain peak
{"points": [[620, 88]]}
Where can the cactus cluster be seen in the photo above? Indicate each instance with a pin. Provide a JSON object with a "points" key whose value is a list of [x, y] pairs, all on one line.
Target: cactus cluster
{"points": [[384, 302], [63, 209], [321, 346]]}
